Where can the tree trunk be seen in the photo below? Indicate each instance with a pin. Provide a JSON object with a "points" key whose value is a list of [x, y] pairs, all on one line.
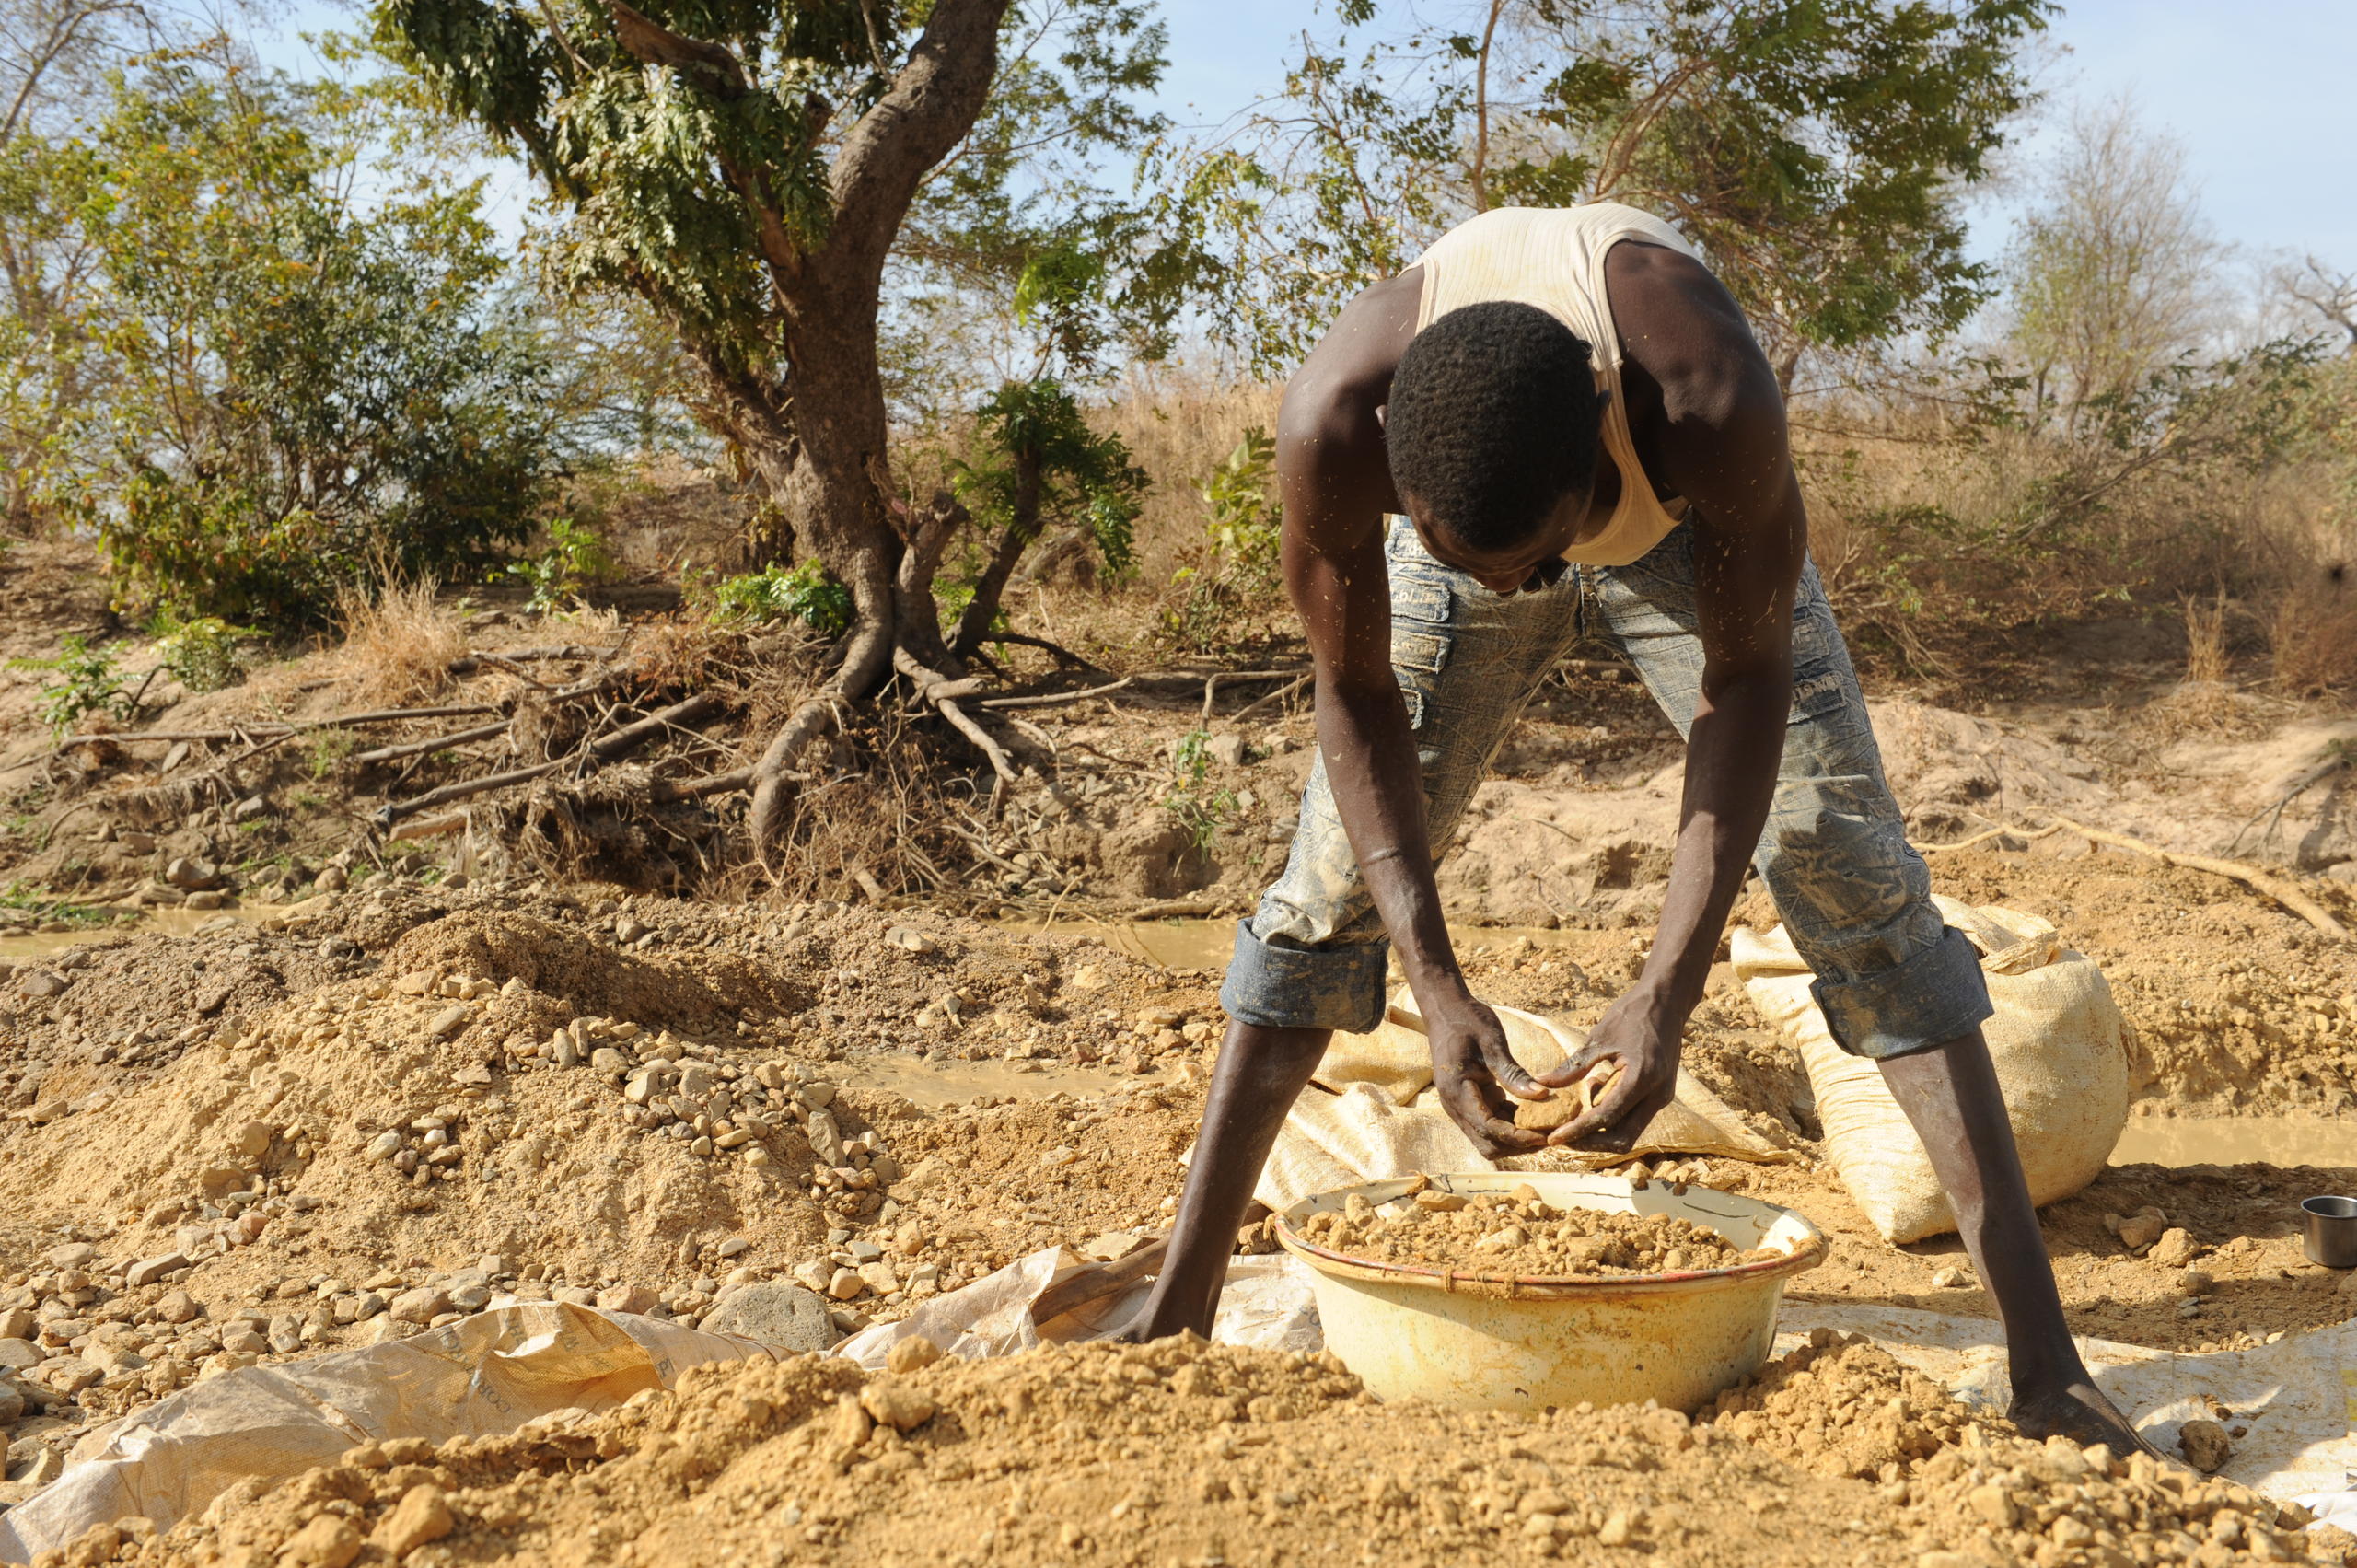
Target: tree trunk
{"points": [[1021, 529]]}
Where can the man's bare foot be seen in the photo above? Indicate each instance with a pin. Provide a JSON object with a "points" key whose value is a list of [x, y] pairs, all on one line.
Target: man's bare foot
{"points": [[2080, 1412]]}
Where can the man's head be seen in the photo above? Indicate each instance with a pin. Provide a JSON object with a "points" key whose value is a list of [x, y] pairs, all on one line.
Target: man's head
{"points": [[1494, 428]]}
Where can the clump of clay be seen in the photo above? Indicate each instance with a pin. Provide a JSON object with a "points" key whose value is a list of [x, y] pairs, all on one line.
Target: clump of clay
{"points": [[1842, 1406], [1518, 1232]]}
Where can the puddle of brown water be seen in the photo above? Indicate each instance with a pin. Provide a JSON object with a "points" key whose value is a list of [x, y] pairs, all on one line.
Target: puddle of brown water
{"points": [[156, 923], [2280, 1141], [937, 1084]]}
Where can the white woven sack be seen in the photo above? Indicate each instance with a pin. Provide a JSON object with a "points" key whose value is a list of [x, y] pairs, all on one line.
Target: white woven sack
{"points": [[2055, 1039]]}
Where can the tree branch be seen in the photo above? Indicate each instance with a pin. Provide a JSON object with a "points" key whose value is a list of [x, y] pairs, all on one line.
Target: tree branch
{"points": [[723, 74], [930, 106]]}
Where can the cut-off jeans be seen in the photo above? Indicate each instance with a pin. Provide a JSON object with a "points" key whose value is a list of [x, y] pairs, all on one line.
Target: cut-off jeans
{"points": [[1891, 977]]}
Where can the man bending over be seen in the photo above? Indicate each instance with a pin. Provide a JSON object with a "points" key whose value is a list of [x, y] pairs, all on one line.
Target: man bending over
{"points": [[1558, 425]]}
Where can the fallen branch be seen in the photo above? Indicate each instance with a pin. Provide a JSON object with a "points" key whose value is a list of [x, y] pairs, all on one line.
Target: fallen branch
{"points": [[436, 743], [1057, 650], [1052, 699], [597, 751], [2340, 754], [696, 789], [1278, 695], [2250, 876], [1211, 684], [475, 658], [432, 827], [255, 731]]}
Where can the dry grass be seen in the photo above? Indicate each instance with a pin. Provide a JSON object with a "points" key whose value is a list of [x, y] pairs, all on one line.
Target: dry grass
{"points": [[397, 645], [1179, 429], [2314, 634], [2205, 641]]}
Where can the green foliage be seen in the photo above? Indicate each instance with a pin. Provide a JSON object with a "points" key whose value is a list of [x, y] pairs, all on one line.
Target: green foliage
{"points": [[1039, 458], [1815, 151], [1038, 462], [777, 592], [1198, 807], [1247, 521], [574, 557], [293, 394], [200, 651], [327, 751], [87, 682], [1213, 597]]}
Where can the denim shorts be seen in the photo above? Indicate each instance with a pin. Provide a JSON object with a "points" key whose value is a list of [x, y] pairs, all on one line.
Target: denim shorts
{"points": [[1891, 976]]}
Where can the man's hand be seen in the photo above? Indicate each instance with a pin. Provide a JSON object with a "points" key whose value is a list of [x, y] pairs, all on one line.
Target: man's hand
{"points": [[1640, 1032], [1474, 1073]]}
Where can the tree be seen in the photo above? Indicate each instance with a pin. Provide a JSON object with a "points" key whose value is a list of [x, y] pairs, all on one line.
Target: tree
{"points": [[278, 393], [2111, 273], [2331, 292], [1812, 150], [747, 166]]}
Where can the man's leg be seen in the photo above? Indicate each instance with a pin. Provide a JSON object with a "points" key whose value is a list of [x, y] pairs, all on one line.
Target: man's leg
{"points": [[1260, 1072], [1950, 1095], [1896, 984]]}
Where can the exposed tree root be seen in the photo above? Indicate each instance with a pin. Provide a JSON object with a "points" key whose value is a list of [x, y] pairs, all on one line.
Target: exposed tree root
{"points": [[603, 749]]}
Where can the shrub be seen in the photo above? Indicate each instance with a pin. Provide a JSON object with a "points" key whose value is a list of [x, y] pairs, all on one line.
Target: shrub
{"points": [[201, 652], [296, 393], [88, 682], [778, 591]]}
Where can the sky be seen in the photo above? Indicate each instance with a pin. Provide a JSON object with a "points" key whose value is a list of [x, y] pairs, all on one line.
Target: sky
{"points": [[2256, 90]]}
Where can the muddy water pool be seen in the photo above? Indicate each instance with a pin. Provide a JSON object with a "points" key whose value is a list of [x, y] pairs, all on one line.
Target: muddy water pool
{"points": [[2281, 1141]]}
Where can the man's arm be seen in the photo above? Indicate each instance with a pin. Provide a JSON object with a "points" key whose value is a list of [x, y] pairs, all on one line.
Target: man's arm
{"points": [[1727, 453], [1336, 482]]}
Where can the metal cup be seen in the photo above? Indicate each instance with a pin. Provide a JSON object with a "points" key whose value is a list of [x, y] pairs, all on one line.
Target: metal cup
{"points": [[2330, 1231]]}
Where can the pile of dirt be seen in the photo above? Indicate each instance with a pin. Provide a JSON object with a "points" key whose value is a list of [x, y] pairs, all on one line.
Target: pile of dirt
{"points": [[1179, 1452], [1517, 1233], [435, 1094]]}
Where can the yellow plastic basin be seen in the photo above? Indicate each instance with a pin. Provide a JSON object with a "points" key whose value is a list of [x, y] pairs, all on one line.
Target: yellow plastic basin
{"points": [[1475, 1341]]}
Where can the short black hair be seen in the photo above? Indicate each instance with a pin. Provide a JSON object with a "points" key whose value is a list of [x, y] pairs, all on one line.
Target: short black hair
{"points": [[1493, 419]]}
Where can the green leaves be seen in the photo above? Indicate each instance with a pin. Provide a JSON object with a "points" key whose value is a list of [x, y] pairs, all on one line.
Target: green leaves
{"points": [[87, 682], [291, 393]]}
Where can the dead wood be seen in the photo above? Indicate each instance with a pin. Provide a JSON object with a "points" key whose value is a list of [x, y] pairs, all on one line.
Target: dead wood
{"points": [[474, 659], [1211, 684], [435, 743], [1052, 699], [1056, 650], [601, 750], [666, 790], [1278, 695], [257, 731]]}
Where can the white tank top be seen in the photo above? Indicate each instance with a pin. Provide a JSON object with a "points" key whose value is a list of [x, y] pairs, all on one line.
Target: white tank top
{"points": [[1553, 258]]}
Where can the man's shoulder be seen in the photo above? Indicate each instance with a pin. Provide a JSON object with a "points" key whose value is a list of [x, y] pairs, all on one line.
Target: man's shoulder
{"points": [[1679, 324]]}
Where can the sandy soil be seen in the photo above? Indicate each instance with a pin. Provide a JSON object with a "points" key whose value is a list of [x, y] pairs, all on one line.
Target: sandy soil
{"points": [[1181, 1452], [406, 1077]]}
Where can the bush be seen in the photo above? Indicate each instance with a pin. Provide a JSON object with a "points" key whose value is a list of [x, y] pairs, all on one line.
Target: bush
{"points": [[777, 592], [202, 652], [87, 682], [295, 394], [1234, 579]]}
